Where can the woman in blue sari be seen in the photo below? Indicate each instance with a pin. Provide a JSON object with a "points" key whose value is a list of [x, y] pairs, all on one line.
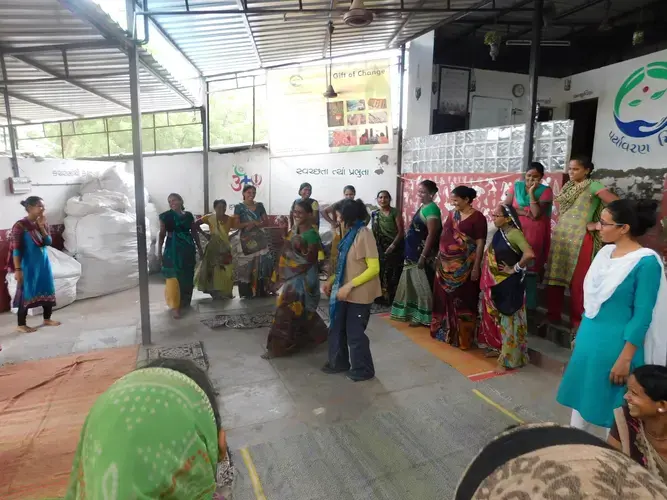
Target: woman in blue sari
{"points": [[252, 255], [296, 322], [178, 257], [414, 295], [31, 266], [352, 291]]}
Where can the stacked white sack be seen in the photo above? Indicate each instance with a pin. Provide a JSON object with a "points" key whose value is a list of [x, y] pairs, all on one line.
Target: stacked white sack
{"points": [[66, 274], [100, 232]]}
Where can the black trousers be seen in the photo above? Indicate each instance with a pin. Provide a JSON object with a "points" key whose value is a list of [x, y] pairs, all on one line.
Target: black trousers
{"points": [[349, 346], [23, 314]]}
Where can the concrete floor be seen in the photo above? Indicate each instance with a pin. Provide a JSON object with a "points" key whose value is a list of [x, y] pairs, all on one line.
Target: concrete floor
{"points": [[409, 433]]}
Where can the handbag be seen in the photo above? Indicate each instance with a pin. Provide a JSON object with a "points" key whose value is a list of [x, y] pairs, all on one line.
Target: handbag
{"points": [[253, 241]]}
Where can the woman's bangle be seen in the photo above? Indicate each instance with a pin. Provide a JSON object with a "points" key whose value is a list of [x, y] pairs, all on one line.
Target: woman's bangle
{"points": [[518, 268], [18, 269], [534, 202]]}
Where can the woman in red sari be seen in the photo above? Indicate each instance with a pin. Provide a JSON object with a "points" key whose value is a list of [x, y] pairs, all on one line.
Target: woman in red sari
{"points": [[533, 202], [456, 288]]}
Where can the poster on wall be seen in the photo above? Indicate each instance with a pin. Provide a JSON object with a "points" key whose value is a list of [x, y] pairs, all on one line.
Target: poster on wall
{"points": [[453, 94], [639, 125], [368, 172], [303, 121]]}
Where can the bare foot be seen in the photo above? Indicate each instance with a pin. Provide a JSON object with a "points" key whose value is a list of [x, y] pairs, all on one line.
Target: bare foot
{"points": [[25, 329], [267, 355], [176, 314], [50, 322], [500, 370], [490, 354], [414, 325]]}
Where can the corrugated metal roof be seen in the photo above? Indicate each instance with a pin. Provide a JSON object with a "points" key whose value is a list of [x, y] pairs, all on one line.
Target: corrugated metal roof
{"points": [[94, 80], [569, 16], [233, 39]]}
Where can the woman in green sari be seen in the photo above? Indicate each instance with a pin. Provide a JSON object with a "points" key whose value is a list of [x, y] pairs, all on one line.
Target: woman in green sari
{"points": [[155, 433], [178, 254]]}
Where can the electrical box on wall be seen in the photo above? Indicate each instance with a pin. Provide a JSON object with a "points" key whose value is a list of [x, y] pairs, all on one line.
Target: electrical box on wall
{"points": [[20, 185]]}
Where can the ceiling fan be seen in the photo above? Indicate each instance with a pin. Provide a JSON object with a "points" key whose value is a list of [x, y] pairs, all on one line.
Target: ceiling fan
{"points": [[358, 16]]}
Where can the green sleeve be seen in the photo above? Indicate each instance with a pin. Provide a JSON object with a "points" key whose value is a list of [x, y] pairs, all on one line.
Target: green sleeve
{"points": [[518, 240], [596, 187], [431, 211], [311, 237], [647, 285]]}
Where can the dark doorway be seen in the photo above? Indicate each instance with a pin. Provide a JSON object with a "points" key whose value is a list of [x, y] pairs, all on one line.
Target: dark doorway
{"points": [[584, 114], [545, 114]]}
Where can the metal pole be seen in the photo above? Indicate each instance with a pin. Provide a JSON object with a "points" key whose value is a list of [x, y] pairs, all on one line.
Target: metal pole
{"points": [[535, 52], [8, 115], [142, 251], [399, 146], [206, 147]]}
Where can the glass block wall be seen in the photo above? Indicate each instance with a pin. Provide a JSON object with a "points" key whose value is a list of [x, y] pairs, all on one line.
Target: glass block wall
{"points": [[488, 150]]}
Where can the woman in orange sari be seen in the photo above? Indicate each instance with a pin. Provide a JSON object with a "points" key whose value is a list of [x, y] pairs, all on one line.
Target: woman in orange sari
{"points": [[456, 288]]}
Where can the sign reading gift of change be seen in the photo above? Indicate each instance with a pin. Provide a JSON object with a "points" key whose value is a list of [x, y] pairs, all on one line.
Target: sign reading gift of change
{"points": [[303, 121]]}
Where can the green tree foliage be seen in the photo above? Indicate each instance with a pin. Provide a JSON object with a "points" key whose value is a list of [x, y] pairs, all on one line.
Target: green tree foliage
{"points": [[231, 123], [231, 117]]}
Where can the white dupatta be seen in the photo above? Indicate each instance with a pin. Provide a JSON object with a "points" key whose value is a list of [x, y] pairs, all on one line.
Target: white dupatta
{"points": [[602, 279]]}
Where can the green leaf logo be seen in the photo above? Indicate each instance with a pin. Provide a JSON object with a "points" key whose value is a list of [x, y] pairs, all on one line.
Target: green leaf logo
{"points": [[635, 103], [658, 95]]}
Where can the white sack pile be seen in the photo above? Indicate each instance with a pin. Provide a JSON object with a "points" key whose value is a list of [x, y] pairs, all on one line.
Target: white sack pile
{"points": [[66, 274], [100, 233]]}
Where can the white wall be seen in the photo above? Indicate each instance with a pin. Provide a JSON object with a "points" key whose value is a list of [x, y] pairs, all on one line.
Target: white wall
{"points": [[419, 76], [614, 149], [498, 85], [53, 180], [224, 185], [178, 173], [367, 171]]}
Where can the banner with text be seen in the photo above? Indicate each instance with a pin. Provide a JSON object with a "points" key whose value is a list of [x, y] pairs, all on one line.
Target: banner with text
{"points": [[302, 120]]}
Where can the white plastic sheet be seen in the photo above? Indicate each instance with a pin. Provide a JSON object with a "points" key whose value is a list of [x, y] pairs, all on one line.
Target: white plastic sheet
{"points": [[66, 274]]}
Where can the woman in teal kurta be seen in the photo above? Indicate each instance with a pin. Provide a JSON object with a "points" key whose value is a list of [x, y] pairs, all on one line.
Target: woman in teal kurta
{"points": [[178, 257], [621, 292]]}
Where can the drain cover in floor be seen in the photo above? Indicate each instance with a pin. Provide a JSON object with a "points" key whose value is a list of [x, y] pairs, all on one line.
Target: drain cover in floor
{"points": [[193, 351], [264, 319], [243, 320]]}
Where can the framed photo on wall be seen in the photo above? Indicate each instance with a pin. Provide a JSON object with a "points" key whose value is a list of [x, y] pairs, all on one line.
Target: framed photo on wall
{"points": [[453, 91]]}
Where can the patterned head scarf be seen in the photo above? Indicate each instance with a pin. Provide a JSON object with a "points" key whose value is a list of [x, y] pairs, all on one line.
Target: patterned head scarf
{"points": [[151, 435], [549, 461]]}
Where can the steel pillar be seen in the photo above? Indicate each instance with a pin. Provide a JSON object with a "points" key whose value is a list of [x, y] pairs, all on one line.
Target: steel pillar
{"points": [[206, 146], [8, 115], [535, 54], [139, 195], [399, 146]]}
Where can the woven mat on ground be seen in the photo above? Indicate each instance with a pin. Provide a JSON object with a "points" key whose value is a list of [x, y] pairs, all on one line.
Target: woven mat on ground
{"points": [[470, 363], [43, 405], [193, 351], [263, 318]]}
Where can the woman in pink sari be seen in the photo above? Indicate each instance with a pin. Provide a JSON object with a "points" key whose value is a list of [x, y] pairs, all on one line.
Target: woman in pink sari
{"points": [[533, 202], [456, 288]]}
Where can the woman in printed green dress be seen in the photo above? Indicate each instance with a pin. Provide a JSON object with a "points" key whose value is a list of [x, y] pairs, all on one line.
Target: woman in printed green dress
{"points": [[575, 241], [387, 225], [296, 323], [178, 255]]}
